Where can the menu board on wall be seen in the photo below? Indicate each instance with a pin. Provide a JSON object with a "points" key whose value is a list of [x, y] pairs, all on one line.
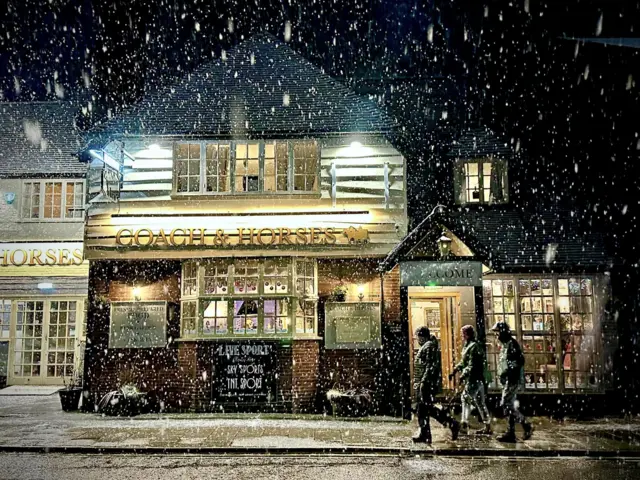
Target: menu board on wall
{"points": [[352, 325], [138, 325], [245, 371]]}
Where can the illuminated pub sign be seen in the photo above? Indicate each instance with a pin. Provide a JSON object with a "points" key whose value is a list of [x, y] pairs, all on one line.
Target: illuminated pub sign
{"points": [[178, 237], [43, 254]]}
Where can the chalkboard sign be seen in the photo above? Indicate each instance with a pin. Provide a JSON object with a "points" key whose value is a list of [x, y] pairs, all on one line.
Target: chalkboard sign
{"points": [[245, 372]]}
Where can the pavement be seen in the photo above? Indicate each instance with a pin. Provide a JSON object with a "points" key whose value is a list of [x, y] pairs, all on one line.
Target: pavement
{"points": [[37, 424]]}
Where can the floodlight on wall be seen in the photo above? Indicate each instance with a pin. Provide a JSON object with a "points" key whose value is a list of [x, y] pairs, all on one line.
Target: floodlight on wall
{"points": [[137, 292], [45, 286], [154, 146], [356, 144]]}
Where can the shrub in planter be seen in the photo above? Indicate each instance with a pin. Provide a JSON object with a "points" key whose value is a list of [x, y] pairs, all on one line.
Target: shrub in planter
{"points": [[70, 394], [350, 403], [127, 401]]}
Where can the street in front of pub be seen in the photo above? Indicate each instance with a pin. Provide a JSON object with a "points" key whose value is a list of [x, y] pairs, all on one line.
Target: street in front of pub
{"points": [[40, 441]]}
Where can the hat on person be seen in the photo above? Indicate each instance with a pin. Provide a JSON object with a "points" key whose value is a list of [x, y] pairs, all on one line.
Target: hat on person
{"points": [[501, 327]]}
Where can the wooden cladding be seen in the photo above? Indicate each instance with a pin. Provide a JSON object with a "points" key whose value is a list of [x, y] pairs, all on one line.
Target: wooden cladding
{"points": [[371, 171]]}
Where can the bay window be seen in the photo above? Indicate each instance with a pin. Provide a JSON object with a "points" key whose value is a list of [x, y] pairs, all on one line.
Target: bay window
{"points": [[246, 167], [552, 317], [274, 297], [481, 181]]}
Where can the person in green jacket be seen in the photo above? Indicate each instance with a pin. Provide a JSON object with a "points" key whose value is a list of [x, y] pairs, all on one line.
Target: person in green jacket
{"points": [[426, 385], [511, 372], [472, 368]]}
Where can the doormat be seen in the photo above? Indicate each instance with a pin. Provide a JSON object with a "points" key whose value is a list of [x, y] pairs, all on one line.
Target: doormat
{"points": [[30, 390]]}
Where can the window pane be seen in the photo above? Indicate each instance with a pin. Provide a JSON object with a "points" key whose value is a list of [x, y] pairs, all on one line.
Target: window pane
{"points": [[215, 318], [188, 167], [305, 165], [53, 200]]}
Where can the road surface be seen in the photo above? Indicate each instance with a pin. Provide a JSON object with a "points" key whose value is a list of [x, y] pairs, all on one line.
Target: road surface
{"points": [[106, 467]]}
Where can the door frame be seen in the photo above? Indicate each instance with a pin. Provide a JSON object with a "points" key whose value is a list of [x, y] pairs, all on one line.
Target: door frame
{"points": [[449, 337], [42, 379]]}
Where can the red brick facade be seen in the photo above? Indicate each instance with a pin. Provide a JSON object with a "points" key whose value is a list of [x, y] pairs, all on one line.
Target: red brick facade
{"points": [[180, 375]]}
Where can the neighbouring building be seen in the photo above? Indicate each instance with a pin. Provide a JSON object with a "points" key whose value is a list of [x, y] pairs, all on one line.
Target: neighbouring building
{"points": [[43, 276], [235, 227]]}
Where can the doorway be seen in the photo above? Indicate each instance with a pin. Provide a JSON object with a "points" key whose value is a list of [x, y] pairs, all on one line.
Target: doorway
{"points": [[441, 314], [43, 340]]}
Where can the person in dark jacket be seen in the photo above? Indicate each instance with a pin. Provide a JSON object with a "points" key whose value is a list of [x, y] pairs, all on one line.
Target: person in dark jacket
{"points": [[511, 372], [472, 368], [427, 384]]}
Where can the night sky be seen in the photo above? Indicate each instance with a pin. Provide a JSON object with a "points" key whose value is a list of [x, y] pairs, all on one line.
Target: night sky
{"points": [[570, 107]]}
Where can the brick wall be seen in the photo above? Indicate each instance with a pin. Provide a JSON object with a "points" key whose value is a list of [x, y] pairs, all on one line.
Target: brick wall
{"points": [[369, 369], [305, 374]]}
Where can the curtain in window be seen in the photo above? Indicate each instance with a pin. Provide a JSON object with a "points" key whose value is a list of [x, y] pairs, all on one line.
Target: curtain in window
{"points": [[497, 181], [459, 182]]}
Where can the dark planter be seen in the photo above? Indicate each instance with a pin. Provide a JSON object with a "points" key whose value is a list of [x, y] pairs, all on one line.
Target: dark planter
{"points": [[350, 405], [70, 399]]}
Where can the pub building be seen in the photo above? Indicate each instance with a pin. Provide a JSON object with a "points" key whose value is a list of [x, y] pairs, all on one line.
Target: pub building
{"points": [[43, 276], [234, 233], [248, 248]]}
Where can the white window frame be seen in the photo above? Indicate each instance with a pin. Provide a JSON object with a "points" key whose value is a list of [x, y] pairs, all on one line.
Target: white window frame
{"points": [[291, 295], [519, 333], [232, 170], [461, 181], [63, 201]]}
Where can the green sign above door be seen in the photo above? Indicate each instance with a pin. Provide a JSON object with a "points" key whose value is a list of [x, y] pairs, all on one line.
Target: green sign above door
{"points": [[416, 273]]}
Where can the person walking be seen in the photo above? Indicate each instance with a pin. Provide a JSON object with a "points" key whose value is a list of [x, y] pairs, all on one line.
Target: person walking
{"points": [[511, 372], [427, 384], [472, 368]]}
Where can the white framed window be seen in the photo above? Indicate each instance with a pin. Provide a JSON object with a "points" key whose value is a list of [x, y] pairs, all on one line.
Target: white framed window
{"points": [[552, 317], [249, 297], [481, 181], [246, 167], [52, 200]]}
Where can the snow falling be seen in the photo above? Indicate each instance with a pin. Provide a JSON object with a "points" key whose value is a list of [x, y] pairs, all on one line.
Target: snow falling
{"points": [[246, 223]]}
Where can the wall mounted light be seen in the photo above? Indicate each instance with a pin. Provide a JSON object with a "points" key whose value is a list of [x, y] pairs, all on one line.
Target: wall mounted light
{"points": [[444, 246], [137, 292], [361, 292], [45, 286], [356, 144], [154, 146]]}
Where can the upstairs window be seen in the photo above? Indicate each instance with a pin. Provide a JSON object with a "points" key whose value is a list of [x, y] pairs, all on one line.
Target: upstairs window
{"points": [[53, 200], [482, 181], [246, 167]]}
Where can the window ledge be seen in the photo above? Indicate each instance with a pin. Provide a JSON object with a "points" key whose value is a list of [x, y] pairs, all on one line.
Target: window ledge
{"points": [[226, 339], [247, 195]]}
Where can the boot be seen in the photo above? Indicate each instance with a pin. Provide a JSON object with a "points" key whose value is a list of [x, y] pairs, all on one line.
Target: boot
{"points": [[455, 429], [528, 430], [423, 436], [508, 437], [486, 430], [464, 428]]}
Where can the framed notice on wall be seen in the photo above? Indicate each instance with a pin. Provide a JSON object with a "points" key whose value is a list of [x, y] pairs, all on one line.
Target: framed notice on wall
{"points": [[138, 325], [352, 325]]}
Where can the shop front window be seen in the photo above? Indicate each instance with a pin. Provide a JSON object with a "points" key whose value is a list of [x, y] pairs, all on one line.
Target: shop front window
{"points": [[555, 328], [260, 303]]}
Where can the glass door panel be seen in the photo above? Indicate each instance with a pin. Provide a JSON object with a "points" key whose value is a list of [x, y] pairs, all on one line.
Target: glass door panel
{"points": [[28, 342]]}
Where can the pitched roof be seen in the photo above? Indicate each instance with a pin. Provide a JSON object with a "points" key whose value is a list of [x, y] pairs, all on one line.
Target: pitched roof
{"points": [[509, 240], [39, 138], [262, 87], [514, 240], [480, 142]]}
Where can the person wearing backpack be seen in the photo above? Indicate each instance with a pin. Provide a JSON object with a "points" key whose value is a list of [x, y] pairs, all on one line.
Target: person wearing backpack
{"points": [[427, 384], [472, 369], [511, 372]]}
